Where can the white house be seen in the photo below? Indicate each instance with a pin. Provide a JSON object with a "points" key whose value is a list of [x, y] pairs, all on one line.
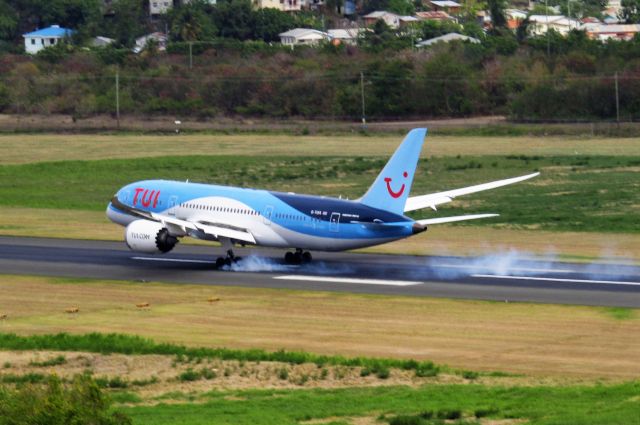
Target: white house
{"points": [[159, 38], [302, 36], [346, 36], [46, 37], [101, 41], [540, 24], [158, 7], [452, 36], [282, 5]]}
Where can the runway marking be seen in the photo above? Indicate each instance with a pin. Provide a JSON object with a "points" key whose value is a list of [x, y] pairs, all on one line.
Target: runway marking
{"points": [[174, 260], [552, 279], [520, 269], [349, 280]]}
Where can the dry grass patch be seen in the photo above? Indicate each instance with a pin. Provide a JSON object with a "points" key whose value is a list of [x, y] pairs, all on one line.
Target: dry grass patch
{"points": [[539, 340], [26, 148]]}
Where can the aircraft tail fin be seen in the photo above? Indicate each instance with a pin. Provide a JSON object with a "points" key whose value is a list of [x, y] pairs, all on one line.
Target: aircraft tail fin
{"points": [[392, 186]]}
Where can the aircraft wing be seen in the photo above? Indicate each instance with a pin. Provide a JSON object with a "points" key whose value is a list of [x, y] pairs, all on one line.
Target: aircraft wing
{"points": [[217, 230], [441, 220], [434, 199]]}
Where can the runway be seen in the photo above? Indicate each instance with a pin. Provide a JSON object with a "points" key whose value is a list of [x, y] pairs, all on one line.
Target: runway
{"points": [[499, 277]]}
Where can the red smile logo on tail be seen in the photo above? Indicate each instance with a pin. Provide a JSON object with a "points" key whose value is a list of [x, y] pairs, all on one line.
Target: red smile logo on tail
{"points": [[391, 192]]}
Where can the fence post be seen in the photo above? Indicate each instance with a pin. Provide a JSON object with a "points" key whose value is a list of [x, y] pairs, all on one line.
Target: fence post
{"points": [[364, 119], [118, 98], [617, 100]]}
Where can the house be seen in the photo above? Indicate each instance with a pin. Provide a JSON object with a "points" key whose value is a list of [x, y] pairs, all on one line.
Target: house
{"points": [[159, 7], [391, 19], [540, 24], [613, 32], [302, 37], [159, 38], [347, 36], [436, 15], [447, 38], [46, 37], [284, 5], [100, 41], [405, 21], [514, 17], [448, 6]]}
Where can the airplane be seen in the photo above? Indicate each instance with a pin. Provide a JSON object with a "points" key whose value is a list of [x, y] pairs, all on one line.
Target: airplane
{"points": [[158, 213]]}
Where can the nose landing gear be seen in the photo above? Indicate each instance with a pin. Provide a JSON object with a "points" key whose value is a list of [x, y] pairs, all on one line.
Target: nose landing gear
{"points": [[297, 257]]}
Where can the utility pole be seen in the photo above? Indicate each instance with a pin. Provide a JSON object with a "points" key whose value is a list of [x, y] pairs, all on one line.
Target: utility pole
{"points": [[364, 119], [191, 55], [118, 98], [546, 14], [617, 100]]}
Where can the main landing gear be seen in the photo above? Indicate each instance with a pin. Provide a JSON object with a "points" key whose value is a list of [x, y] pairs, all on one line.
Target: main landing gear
{"points": [[297, 257], [228, 260]]}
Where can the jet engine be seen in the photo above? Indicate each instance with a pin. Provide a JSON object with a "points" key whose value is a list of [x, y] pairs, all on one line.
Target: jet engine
{"points": [[149, 237]]}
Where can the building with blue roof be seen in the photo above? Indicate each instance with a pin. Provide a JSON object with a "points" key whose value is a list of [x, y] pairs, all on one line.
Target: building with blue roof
{"points": [[45, 37]]}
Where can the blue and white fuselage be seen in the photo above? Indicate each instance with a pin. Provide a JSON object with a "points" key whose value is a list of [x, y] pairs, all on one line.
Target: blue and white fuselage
{"points": [[274, 219], [157, 213]]}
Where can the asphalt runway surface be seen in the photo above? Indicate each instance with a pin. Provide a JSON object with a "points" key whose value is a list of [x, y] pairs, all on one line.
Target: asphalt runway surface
{"points": [[495, 276]]}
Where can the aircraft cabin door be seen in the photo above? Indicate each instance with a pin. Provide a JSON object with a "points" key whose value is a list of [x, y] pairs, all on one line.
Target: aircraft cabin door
{"points": [[335, 222], [268, 213], [173, 201]]}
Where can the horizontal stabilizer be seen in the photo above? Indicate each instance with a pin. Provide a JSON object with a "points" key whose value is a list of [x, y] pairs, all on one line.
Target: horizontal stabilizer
{"points": [[434, 199], [441, 220]]}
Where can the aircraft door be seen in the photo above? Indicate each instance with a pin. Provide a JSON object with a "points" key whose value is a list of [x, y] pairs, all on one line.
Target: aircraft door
{"points": [[268, 213], [335, 222], [173, 201]]}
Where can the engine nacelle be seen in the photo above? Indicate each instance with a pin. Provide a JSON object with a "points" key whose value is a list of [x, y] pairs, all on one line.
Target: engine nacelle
{"points": [[149, 237]]}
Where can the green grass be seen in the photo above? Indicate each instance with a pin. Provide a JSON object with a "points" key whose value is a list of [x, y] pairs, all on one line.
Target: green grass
{"points": [[621, 313], [600, 404], [574, 193], [130, 344]]}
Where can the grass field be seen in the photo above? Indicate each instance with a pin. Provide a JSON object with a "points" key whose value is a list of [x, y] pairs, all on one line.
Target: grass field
{"points": [[28, 148], [538, 340], [584, 193], [595, 405]]}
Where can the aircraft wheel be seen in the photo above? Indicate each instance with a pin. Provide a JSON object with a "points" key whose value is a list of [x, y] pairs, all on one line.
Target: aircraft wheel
{"points": [[306, 257], [237, 259], [288, 258], [219, 262], [228, 261], [297, 257]]}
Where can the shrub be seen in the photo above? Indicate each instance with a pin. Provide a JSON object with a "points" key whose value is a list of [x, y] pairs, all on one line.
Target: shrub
{"points": [[189, 375], [56, 361], [79, 402], [283, 373], [468, 374]]}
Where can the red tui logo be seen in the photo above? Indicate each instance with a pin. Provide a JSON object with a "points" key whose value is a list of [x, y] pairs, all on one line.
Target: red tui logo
{"points": [[147, 197], [391, 191]]}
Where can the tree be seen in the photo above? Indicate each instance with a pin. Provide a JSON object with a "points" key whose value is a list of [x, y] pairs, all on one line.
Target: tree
{"points": [[191, 22], [129, 22], [8, 21], [234, 18], [271, 22], [630, 12], [496, 9]]}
